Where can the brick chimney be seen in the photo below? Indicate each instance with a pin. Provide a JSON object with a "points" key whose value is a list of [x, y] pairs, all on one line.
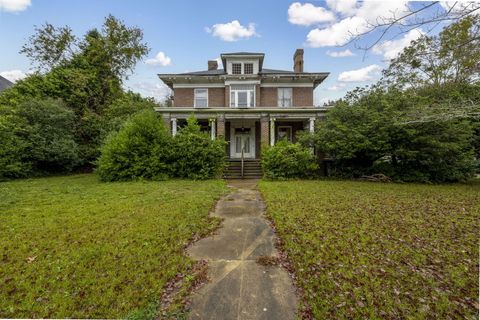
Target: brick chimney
{"points": [[298, 61], [212, 65]]}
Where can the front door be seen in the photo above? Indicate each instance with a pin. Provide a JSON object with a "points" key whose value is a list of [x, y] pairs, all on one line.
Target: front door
{"points": [[243, 138]]}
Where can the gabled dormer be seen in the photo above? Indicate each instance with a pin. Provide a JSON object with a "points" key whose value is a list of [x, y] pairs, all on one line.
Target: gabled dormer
{"points": [[242, 63]]}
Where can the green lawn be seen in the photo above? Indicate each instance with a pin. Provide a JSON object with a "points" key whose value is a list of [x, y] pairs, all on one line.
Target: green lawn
{"points": [[74, 247], [369, 251]]}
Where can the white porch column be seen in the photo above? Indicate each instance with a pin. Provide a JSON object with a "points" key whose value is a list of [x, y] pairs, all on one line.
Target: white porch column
{"points": [[174, 126], [212, 129], [272, 131], [312, 125]]}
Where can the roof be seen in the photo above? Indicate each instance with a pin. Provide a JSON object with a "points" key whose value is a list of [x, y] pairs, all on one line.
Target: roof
{"points": [[243, 53], [4, 83]]}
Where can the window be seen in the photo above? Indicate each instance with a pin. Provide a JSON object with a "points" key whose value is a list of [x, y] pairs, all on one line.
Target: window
{"points": [[200, 98], [248, 68], [284, 97], [242, 96], [236, 68], [285, 133]]}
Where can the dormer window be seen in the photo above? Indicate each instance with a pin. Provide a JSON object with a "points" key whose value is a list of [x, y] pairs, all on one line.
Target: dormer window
{"points": [[236, 68], [248, 68]]}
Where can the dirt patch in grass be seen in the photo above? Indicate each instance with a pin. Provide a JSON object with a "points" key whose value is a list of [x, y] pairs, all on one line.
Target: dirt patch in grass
{"points": [[72, 247], [367, 250]]}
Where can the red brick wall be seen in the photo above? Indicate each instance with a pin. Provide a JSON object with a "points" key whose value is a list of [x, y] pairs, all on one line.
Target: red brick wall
{"points": [[216, 97], [268, 97], [183, 97], [303, 97]]}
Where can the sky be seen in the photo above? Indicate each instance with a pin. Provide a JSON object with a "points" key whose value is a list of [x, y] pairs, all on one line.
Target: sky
{"points": [[183, 35]]}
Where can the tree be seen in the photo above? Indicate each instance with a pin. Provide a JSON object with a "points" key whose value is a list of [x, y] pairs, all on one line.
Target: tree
{"points": [[451, 57]]}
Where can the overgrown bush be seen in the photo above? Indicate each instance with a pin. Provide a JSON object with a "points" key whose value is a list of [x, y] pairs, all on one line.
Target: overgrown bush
{"points": [[49, 136], [36, 139], [12, 148], [287, 160], [141, 149], [195, 155]]}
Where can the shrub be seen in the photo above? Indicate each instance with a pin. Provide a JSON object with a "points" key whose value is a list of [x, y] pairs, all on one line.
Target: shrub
{"points": [[12, 148], [288, 160], [48, 132], [141, 149], [195, 155]]}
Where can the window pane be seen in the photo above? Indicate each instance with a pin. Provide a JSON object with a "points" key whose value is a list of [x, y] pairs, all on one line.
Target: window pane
{"points": [[252, 98], [242, 98], [236, 68], [201, 103], [246, 146], [248, 68], [238, 144]]}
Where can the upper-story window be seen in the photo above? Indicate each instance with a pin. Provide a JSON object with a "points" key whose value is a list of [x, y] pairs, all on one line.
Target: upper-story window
{"points": [[284, 97], [248, 68], [242, 96], [236, 68], [200, 98]]}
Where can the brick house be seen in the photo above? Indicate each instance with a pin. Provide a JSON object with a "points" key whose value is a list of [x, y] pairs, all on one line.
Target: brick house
{"points": [[247, 104]]}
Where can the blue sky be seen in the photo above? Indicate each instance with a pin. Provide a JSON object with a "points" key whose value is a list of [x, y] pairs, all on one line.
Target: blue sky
{"points": [[189, 33]]}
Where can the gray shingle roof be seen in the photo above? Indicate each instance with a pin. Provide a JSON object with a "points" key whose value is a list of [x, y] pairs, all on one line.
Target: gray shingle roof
{"points": [[205, 73], [242, 53], [4, 83]]}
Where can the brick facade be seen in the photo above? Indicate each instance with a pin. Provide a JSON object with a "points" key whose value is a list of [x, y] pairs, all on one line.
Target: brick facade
{"points": [[268, 97], [303, 97], [265, 97], [216, 97], [264, 131], [183, 97]]}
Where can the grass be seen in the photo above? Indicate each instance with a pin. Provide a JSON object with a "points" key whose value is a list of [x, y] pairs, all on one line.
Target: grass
{"points": [[72, 247], [380, 251]]}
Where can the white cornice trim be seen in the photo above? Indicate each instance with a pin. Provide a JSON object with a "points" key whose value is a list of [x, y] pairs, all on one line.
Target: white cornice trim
{"points": [[230, 82], [286, 85], [198, 85]]}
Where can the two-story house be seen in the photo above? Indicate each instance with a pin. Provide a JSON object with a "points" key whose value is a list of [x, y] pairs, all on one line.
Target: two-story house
{"points": [[249, 105]]}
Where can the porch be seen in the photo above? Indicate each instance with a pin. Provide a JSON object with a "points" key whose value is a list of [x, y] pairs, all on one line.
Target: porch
{"points": [[247, 130]]}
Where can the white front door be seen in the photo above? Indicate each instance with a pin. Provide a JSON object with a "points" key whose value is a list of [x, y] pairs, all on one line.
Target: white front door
{"points": [[242, 138]]}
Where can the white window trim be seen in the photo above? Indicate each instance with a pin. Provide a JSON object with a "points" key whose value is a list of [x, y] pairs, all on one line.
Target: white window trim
{"points": [[278, 97], [236, 91], [195, 99]]}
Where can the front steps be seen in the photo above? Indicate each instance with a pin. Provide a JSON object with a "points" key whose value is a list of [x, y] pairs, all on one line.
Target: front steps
{"points": [[252, 169]]}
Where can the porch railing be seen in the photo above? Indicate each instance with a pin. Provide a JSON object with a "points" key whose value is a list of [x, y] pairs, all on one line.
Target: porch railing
{"points": [[241, 164]]}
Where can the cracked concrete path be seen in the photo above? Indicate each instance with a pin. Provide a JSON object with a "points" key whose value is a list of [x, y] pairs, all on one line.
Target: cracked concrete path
{"points": [[239, 287]]}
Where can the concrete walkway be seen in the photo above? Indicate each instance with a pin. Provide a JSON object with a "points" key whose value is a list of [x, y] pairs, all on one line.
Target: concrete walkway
{"points": [[239, 287]]}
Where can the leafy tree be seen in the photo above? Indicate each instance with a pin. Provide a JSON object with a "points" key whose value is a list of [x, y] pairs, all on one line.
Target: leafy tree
{"points": [[369, 133], [451, 57], [12, 148]]}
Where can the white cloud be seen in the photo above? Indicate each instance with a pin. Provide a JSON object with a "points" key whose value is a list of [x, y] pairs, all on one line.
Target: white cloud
{"points": [[13, 75], [307, 14], [345, 7], [160, 59], [390, 49], [337, 34], [232, 31], [14, 5], [359, 75], [359, 18], [375, 11], [337, 87], [340, 54], [158, 91]]}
